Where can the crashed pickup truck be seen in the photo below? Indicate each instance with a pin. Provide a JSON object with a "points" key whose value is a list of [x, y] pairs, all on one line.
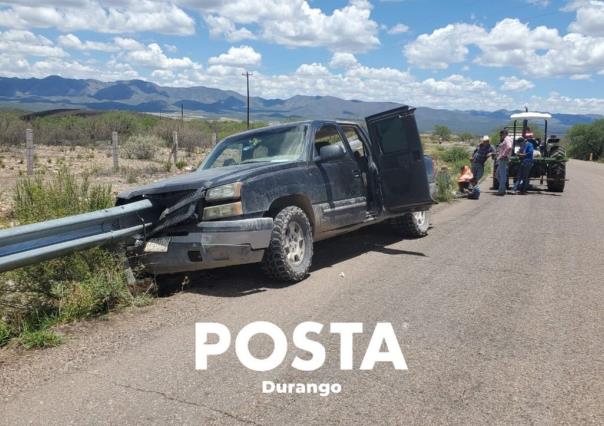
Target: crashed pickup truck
{"points": [[265, 195]]}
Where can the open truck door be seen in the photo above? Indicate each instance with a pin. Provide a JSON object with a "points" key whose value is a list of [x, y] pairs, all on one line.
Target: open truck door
{"points": [[397, 147]]}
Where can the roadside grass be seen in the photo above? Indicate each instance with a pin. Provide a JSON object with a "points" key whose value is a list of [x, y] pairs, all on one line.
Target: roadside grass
{"points": [[36, 298], [448, 163]]}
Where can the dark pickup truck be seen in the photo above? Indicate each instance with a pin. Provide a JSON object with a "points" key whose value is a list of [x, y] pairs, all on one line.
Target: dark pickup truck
{"points": [[265, 195]]}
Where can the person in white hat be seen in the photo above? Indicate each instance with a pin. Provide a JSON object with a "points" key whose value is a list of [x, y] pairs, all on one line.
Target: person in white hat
{"points": [[480, 156]]}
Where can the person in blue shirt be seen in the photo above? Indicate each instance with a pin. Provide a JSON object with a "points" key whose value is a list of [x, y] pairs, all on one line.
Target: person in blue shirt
{"points": [[526, 164]]}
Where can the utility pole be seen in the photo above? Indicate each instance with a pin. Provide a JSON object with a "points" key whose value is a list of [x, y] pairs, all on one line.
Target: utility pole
{"points": [[247, 79]]}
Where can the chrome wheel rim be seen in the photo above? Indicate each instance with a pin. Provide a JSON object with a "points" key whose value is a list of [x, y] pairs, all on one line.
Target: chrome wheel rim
{"points": [[295, 245], [420, 218]]}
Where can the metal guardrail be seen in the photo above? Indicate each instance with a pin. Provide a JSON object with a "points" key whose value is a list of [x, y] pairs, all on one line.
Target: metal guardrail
{"points": [[28, 244]]}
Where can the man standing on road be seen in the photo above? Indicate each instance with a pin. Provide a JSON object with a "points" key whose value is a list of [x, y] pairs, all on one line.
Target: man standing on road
{"points": [[480, 156], [526, 164], [503, 159]]}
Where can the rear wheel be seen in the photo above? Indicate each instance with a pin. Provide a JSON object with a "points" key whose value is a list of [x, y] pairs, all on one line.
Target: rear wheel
{"points": [[413, 225], [289, 254], [556, 171]]}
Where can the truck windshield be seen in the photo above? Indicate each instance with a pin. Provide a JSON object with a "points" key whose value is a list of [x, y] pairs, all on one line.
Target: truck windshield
{"points": [[269, 145]]}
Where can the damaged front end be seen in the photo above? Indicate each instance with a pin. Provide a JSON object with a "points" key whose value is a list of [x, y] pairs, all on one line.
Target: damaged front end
{"points": [[194, 229]]}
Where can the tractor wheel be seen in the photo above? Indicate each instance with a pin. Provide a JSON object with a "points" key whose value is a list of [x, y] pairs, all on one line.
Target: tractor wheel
{"points": [[556, 171], [289, 254], [412, 225]]}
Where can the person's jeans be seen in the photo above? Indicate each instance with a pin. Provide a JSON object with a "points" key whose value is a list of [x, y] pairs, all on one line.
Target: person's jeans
{"points": [[524, 172], [477, 170], [502, 175]]}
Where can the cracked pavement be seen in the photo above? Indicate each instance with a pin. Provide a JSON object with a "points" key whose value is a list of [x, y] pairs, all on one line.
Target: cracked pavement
{"points": [[499, 312]]}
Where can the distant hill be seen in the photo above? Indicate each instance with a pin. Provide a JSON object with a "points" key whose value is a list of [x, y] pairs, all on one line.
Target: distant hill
{"points": [[55, 92]]}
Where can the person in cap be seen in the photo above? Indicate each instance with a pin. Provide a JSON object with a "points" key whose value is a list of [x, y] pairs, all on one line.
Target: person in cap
{"points": [[481, 154], [504, 151], [526, 164]]}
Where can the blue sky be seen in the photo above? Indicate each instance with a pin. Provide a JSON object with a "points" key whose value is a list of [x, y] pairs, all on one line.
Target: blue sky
{"points": [[466, 54]]}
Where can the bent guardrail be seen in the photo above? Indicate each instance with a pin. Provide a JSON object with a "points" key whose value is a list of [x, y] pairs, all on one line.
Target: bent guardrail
{"points": [[28, 244]]}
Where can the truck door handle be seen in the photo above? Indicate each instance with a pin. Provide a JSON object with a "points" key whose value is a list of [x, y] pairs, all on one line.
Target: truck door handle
{"points": [[356, 173]]}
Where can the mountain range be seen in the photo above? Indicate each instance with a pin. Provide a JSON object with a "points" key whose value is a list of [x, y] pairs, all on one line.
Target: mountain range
{"points": [[55, 92]]}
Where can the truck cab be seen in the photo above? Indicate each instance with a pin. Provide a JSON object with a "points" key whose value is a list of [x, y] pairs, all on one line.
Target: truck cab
{"points": [[267, 194]]}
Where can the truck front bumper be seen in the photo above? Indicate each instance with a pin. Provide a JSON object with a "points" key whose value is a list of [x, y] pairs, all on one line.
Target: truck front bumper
{"points": [[211, 245]]}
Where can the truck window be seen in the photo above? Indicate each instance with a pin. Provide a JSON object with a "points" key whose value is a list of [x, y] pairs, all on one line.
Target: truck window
{"points": [[327, 135], [354, 140], [394, 135]]}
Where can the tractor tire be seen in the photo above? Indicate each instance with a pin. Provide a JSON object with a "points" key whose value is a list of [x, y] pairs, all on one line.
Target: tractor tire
{"points": [[556, 172], [289, 254], [412, 225]]}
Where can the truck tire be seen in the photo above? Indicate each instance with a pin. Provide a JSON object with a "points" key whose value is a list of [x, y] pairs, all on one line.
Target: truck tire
{"points": [[413, 225], [556, 172], [495, 180], [289, 254]]}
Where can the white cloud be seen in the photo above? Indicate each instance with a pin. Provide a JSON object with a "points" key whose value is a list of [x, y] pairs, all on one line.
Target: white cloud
{"points": [[539, 51], [542, 3], [128, 43], [70, 41], [444, 46], [153, 57], [343, 60], [312, 70], [398, 29], [241, 56], [124, 16], [292, 23], [515, 84], [19, 42], [589, 17]]}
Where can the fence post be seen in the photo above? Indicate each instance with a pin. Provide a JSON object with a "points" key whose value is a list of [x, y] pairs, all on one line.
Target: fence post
{"points": [[115, 151], [213, 139], [29, 150], [175, 145]]}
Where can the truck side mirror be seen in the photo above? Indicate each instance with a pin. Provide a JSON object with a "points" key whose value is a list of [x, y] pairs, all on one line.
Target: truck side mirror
{"points": [[331, 152]]}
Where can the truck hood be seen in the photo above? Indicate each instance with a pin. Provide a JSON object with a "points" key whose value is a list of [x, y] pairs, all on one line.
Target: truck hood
{"points": [[204, 179]]}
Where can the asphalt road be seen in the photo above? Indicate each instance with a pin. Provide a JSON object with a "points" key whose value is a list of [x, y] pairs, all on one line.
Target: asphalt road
{"points": [[499, 312]]}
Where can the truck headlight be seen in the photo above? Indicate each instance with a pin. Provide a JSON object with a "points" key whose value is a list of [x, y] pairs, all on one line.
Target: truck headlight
{"points": [[231, 191], [222, 210]]}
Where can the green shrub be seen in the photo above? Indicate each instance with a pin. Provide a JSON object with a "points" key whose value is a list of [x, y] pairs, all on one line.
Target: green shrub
{"points": [[5, 333], [456, 154], [62, 195], [78, 285], [141, 147], [43, 338], [180, 164], [444, 186]]}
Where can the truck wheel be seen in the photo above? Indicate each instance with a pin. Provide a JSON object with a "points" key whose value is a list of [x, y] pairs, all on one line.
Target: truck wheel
{"points": [[556, 172], [289, 254], [413, 225]]}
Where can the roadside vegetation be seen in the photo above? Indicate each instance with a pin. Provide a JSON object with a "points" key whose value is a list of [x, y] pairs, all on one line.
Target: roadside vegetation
{"points": [[90, 128], [35, 299], [449, 158], [585, 140]]}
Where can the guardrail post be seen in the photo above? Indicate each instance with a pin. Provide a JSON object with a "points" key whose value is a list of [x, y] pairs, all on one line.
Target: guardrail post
{"points": [[29, 150], [213, 139], [175, 145], [115, 151]]}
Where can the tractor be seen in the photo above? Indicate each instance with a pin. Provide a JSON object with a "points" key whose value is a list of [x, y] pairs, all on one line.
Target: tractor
{"points": [[549, 158]]}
